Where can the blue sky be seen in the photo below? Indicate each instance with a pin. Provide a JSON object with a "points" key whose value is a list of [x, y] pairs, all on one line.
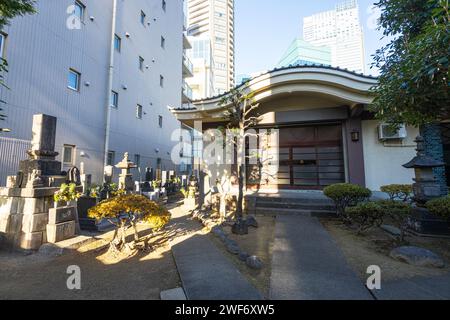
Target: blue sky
{"points": [[265, 28]]}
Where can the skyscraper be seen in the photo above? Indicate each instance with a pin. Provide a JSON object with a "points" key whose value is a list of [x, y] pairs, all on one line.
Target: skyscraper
{"points": [[301, 52], [213, 20], [339, 29]]}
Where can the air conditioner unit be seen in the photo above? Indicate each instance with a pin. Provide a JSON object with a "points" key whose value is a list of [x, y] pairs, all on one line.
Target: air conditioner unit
{"points": [[385, 132]]}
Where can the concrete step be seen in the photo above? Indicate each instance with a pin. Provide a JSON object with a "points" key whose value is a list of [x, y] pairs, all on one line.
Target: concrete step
{"points": [[295, 212], [294, 205], [301, 200]]}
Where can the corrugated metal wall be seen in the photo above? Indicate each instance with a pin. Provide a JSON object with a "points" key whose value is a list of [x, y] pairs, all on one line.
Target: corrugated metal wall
{"points": [[11, 152]]}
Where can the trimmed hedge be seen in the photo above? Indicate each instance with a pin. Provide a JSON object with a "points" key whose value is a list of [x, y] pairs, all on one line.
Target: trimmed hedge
{"points": [[399, 213], [398, 191], [345, 195], [366, 215], [440, 207]]}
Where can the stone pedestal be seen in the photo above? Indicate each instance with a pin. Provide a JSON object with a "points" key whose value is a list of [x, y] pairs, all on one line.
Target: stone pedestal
{"points": [[26, 201]]}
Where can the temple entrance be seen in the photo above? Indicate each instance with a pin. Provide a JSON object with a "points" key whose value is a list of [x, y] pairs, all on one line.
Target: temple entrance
{"points": [[310, 157]]}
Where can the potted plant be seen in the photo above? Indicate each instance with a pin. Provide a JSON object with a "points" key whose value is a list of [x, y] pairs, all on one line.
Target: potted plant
{"points": [[67, 195]]}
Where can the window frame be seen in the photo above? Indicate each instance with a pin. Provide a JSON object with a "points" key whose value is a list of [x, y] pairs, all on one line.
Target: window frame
{"points": [[111, 157], [3, 37], [163, 42], [81, 5], [78, 74], [160, 121], [139, 111], [164, 5], [114, 103], [161, 81], [72, 154], [117, 43], [137, 160], [143, 17], [141, 63]]}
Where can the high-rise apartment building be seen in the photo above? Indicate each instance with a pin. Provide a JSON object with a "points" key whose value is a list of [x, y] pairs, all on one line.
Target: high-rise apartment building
{"points": [[339, 29], [108, 70], [213, 21]]}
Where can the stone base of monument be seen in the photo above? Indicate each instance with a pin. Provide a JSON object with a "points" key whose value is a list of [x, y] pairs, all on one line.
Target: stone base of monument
{"points": [[61, 223], [423, 223], [24, 217]]}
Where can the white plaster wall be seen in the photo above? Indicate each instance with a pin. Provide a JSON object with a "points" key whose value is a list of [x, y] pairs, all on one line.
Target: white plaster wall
{"points": [[383, 161]]}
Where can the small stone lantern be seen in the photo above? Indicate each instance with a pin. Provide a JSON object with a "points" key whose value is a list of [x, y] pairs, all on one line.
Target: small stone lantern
{"points": [[426, 186], [126, 178]]}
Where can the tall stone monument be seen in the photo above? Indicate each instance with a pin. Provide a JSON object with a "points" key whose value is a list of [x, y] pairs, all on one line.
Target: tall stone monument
{"points": [[28, 196]]}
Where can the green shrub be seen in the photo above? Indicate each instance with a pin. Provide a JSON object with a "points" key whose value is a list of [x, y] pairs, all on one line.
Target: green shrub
{"points": [[440, 207], [345, 195], [398, 191], [398, 212], [366, 215]]}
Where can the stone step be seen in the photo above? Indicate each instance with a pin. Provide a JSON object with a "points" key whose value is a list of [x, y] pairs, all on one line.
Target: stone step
{"points": [[277, 199], [295, 212], [295, 205]]}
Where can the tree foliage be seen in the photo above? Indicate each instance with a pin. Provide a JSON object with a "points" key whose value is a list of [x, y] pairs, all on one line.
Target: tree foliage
{"points": [[414, 66], [398, 191], [125, 211], [345, 195], [366, 215]]}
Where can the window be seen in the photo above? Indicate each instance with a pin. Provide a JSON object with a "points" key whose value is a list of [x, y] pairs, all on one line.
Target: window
{"points": [[117, 43], [160, 121], [163, 42], [114, 99], [79, 10], [139, 111], [137, 160], [73, 81], [143, 15], [141, 63], [68, 155], [2, 44], [111, 158], [164, 5], [161, 81]]}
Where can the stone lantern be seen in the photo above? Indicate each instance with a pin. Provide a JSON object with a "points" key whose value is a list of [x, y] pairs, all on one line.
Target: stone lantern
{"points": [[425, 188], [126, 178]]}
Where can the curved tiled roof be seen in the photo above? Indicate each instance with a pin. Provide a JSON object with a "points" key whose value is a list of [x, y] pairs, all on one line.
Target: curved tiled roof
{"points": [[320, 66]]}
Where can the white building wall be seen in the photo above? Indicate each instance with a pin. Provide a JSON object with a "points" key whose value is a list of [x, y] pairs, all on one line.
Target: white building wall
{"points": [[40, 49], [383, 160]]}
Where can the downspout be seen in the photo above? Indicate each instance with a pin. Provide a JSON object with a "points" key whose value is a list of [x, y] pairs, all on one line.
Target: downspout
{"points": [[109, 88]]}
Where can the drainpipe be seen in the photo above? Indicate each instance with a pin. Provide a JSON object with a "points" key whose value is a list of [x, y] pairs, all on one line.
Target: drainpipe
{"points": [[109, 88]]}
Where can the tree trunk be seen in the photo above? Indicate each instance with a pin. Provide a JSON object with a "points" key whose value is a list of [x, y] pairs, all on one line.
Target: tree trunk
{"points": [[240, 200]]}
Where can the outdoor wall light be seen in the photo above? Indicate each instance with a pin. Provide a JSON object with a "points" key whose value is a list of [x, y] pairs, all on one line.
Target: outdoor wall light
{"points": [[157, 150], [355, 135], [124, 87], [87, 83], [5, 130], [92, 18], [127, 35]]}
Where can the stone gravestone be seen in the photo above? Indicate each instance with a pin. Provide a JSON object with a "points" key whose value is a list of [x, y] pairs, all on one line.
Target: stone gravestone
{"points": [[24, 215], [163, 178]]}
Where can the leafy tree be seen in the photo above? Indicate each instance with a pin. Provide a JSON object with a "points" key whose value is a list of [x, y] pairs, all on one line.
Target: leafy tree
{"points": [[124, 211], [240, 114], [8, 10], [414, 66]]}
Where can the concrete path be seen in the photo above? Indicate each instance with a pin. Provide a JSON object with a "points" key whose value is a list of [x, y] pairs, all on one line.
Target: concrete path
{"points": [[206, 274], [308, 265], [417, 288]]}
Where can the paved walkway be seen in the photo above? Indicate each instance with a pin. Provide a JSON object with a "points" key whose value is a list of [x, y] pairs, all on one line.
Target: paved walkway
{"points": [[417, 288], [206, 274], [308, 265]]}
